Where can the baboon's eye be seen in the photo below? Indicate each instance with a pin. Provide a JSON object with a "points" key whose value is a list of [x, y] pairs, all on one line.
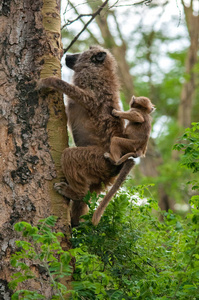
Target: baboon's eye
{"points": [[99, 57]]}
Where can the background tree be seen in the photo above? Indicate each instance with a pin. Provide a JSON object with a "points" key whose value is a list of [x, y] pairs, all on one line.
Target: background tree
{"points": [[150, 43], [189, 86]]}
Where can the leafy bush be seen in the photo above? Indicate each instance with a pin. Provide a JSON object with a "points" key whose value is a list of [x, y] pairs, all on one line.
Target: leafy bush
{"points": [[190, 158], [142, 257], [131, 254], [42, 247]]}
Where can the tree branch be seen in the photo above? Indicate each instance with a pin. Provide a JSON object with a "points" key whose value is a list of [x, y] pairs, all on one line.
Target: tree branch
{"points": [[86, 25], [146, 2], [118, 29], [77, 13], [80, 16]]}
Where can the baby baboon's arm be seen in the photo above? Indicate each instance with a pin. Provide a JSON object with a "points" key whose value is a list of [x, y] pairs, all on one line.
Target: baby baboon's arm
{"points": [[130, 115], [74, 92]]}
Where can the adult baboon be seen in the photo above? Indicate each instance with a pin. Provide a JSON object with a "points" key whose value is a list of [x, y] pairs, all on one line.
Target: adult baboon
{"points": [[92, 96], [91, 99]]}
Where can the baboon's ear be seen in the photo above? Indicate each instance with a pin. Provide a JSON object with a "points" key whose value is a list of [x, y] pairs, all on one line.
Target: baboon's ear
{"points": [[99, 57]]}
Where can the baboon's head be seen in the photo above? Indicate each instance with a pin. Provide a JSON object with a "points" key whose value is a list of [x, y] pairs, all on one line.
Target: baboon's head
{"points": [[92, 60], [142, 103]]}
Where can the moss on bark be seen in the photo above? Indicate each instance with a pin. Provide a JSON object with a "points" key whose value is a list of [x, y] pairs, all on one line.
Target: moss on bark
{"points": [[56, 126]]}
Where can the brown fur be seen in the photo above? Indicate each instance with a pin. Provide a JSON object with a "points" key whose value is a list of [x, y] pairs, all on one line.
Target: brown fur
{"points": [[91, 99], [85, 170], [136, 134], [134, 144]]}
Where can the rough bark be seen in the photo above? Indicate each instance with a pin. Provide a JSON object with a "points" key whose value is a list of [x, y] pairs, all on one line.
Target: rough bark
{"points": [[32, 126], [189, 86]]}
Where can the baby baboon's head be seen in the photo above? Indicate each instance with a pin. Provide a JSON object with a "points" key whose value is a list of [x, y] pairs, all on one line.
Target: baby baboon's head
{"points": [[92, 60], [142, 103]]}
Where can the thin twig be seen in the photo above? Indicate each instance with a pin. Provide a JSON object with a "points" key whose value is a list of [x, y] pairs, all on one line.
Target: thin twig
{"points": [[72, 21], [81, 20], [146, 2], [80, 4], [114, 4], [118, 29], [180, 14], [86, 25]]}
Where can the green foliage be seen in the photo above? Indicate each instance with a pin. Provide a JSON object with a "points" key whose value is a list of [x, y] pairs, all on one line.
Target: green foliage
{"points": [[41, 246], [131, 254], [172, 177], [190, 158], [141, 257]]}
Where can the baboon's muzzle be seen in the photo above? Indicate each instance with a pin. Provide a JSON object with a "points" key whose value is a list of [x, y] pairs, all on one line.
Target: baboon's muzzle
{"points": [[71, 60]]}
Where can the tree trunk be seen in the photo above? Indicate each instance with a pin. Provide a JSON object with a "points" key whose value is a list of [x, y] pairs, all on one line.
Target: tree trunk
{"points": [[32, 126], [189, 86]]}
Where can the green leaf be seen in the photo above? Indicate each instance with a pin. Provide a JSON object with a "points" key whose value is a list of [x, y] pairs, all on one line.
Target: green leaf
{"points": [[51, 221], [26, 295]]}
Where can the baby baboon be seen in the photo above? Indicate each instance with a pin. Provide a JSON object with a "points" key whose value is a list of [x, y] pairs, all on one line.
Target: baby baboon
{"points": [[136, 133], [91, 99], [134, 143]]}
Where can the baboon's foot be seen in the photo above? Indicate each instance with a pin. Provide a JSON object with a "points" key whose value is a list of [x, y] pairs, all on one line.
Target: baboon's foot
{"points": [[108, 157], [65, 190], [138, 153], [61, 188]]}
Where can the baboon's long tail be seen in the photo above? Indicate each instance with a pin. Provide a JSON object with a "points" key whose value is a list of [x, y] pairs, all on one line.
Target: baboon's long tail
{"points": [[127, 166]]}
